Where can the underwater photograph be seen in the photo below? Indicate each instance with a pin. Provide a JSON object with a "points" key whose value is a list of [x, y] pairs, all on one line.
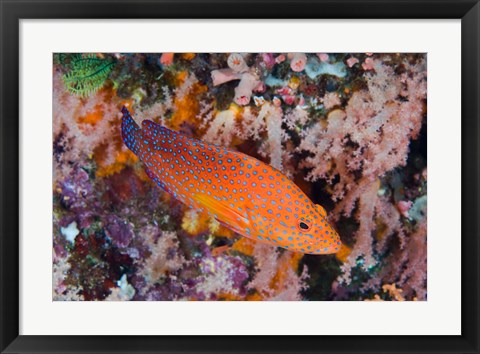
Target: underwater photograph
{"points": [[239, 177]]}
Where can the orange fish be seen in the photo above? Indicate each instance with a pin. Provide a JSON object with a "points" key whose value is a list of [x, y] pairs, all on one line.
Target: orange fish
{"points": [[242, 193]]}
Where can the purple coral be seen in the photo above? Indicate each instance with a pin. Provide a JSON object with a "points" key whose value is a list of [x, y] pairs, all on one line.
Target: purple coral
{"points": [[119, 230]]}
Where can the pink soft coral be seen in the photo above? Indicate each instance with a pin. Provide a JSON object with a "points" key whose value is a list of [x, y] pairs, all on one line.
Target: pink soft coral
{"points": [[363, 142]]}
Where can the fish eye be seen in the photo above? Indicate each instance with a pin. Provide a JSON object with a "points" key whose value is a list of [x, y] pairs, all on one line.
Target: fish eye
{"points": [[303, 226]]}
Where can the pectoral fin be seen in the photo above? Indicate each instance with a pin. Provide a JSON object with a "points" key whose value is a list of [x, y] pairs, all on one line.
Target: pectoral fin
{"points": [[229, 216]]}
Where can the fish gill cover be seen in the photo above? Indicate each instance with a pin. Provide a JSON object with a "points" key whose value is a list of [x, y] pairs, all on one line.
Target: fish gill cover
{"points": [[346, 131]]}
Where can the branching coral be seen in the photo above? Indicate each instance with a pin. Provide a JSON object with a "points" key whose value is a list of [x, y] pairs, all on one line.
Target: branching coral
{"points": [[164, 258], [222, 276], [221, 128], [269, 120], [356, 146], [224, 127], [277, 277], [80, 126]]}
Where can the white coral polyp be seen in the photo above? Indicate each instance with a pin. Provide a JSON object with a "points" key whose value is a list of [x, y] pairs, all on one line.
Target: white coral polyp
{"points": [[298, 62], [243, 92], [237, 63]]}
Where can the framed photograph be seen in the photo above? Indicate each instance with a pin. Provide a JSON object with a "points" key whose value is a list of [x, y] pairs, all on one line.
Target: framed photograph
{"points": [[224, 176]]}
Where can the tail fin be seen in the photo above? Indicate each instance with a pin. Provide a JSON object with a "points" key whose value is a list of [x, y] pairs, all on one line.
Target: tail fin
{"points": [[131, 132]]}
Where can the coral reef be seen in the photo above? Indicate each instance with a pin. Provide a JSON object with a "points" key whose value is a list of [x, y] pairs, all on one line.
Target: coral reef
{"points": [[348, 128]]}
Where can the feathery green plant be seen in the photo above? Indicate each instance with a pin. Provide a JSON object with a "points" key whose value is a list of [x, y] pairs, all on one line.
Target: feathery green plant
{"points": [[87, 73]]}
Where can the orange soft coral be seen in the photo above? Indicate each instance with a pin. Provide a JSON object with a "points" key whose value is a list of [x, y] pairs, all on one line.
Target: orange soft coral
{"points": [[106, 167], [245, 246], [186, 101], [92, 117]]}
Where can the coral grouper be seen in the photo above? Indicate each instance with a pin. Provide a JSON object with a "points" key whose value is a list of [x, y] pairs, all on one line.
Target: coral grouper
{"points": [[242, 193]]}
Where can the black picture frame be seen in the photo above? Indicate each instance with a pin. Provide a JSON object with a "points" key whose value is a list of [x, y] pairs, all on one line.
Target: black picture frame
{"points": [[12, 11]]}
